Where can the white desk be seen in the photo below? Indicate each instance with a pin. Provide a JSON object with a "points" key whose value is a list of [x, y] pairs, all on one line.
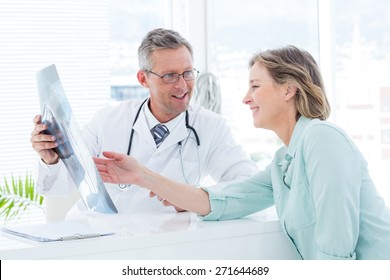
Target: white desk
{"points": [[166, 235]]}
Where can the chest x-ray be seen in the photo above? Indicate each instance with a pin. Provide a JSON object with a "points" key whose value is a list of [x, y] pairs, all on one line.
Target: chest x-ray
{"points": [[72, 150]]}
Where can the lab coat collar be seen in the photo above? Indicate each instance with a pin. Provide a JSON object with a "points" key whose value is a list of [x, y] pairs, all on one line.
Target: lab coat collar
{"points": [[295, 138], [146, 120], [142, 128]]}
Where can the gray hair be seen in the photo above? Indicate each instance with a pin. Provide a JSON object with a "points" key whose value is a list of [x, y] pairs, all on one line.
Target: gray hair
{"points": [[159, 38]]}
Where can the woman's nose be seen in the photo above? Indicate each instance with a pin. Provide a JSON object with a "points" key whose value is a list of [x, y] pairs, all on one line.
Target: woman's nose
{"points": [[247, 98]]}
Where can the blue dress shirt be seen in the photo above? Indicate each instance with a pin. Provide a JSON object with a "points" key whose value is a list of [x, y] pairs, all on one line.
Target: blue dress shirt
{"points": [[326, 201]]}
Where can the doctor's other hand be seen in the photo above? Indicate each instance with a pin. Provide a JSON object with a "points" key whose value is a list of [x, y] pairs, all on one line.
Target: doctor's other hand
{"points": [[165, 202], [118, 168], [43, 143]]}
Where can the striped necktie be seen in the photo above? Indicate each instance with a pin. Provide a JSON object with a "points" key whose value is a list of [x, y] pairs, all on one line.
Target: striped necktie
{"points": [[159, 132]]}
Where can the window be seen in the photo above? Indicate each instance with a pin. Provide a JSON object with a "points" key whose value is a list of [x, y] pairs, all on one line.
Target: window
{"points": [[94, 46], [72, 34], [234, 37], [360, 75], [348, 39], [129, 23]]}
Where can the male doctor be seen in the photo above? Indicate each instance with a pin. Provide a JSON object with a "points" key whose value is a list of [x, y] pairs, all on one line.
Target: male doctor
{"points": [[180, 141]]}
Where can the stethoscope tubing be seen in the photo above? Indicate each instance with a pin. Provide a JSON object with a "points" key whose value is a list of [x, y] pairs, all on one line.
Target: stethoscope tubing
{"points": [[137, 116], [180, 143]]}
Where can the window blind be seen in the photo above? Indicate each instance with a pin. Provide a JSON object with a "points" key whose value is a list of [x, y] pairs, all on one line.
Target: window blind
{"points": [[72, 34]]}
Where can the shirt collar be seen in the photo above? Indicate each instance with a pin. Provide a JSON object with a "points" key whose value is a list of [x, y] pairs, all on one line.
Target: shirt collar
{"points": [[295, 138], [152, 121]]}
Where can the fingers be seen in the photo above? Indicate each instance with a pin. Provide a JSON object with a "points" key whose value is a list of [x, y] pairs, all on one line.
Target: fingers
{"points": [[41, 141], [99, 161], [163, 201], [101, 167], [43, 146], [39, 127], [105, 177], [102, 164], [108, 154], [166, 203], [37, 135], [152, 194], [159, 198], [37, 119]]}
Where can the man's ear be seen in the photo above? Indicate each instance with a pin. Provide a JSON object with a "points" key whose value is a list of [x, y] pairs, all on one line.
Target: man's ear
{"points": [[142, 79], [291, 91]]}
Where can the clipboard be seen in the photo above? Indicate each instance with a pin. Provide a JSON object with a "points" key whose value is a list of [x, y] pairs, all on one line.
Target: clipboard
{"points": [[58, 231]]}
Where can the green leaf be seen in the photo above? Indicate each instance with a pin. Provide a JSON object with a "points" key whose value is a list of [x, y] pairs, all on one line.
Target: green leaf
{"points": [[18, 197], [14, 186]]}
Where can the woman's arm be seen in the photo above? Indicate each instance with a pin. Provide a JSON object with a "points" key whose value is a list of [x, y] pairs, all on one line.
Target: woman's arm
{"points": [[121, 169]]}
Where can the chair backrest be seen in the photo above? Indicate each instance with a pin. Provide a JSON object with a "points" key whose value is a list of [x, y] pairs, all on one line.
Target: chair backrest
{"points": [[207, 92]]}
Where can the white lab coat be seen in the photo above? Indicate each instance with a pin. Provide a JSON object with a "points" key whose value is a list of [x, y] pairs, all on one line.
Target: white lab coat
{"points": [[219, 156]]}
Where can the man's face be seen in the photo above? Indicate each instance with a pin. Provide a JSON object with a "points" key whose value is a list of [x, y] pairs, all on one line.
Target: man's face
{"points": [[168, 100]]}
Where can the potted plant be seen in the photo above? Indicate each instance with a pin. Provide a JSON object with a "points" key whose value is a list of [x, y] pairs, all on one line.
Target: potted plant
{"points": [[17, 196]]}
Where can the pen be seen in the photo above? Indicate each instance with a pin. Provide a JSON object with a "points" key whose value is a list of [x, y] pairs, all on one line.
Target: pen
{"points": [[79, 236]]}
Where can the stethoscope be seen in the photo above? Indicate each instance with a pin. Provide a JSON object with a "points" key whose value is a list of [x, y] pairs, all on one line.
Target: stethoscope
{"points": [[188, 126]]}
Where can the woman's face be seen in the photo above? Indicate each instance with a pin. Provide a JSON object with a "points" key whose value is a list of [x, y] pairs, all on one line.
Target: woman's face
{"points": [[265, 98]]}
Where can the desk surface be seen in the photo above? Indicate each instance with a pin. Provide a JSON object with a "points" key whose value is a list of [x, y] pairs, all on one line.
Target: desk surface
{"points": [[166, 235]]}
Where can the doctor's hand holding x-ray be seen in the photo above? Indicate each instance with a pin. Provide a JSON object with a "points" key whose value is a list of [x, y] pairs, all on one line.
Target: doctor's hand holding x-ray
{"points": [[193, 143]]}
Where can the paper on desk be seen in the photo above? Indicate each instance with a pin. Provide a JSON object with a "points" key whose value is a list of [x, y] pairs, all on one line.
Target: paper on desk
{"points": [[59, 231]]}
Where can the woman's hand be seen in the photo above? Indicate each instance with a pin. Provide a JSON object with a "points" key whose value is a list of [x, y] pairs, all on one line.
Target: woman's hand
{"points": [[118, 168], [123, 169]]}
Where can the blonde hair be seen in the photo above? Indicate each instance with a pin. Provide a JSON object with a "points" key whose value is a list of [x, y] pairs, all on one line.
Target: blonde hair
{"points": [[292, 65]]}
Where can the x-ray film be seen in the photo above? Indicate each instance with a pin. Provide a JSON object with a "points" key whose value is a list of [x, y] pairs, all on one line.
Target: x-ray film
{"points": [[72, 150]]}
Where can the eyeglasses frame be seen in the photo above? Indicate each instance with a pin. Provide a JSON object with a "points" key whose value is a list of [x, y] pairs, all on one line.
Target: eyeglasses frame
{"points": [[163, 77]]}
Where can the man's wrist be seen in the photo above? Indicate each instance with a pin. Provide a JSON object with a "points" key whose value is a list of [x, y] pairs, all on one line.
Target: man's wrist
{"points": [[51, 163]]}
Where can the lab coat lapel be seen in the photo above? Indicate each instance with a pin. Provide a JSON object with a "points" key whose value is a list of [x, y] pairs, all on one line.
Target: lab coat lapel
{"points": [[142, 128]]}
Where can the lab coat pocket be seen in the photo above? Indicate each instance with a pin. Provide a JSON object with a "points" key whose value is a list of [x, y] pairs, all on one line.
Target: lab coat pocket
{"points": [[300, 211]]}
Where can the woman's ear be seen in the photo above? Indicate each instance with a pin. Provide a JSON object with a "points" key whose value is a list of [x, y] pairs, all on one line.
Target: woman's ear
{"points": [[291, 91]]}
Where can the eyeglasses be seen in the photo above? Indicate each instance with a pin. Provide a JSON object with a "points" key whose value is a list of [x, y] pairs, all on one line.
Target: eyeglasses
{"points": [[171, 78]]}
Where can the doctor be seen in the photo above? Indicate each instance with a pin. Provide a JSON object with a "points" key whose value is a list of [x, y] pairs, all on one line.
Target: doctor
{"points": [[183, 142]]}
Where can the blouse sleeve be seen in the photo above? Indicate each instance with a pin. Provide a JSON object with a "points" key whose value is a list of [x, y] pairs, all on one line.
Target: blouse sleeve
{"points": [[241, 198]]}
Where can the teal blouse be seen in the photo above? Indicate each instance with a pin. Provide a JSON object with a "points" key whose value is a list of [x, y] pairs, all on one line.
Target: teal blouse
{"points": [[325, 199]]}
